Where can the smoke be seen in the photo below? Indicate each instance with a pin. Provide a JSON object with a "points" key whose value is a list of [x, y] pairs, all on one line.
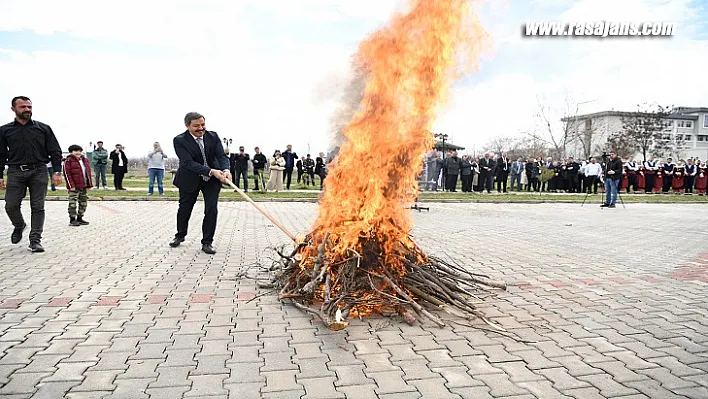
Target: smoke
{"points": [[349, 103]]}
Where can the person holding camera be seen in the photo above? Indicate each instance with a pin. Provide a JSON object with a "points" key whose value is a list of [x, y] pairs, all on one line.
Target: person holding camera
{"points": [[613, 174]]}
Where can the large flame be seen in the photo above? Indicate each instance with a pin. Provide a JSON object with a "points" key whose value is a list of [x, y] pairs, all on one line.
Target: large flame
{"points": [[409, 68]]}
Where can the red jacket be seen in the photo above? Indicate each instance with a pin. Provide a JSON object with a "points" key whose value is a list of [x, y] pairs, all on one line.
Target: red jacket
{"points": [[73, 173]]}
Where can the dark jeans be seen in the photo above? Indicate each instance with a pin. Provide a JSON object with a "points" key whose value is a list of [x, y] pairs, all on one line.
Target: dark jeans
{"points": [[100, 170], [210, 191], [258, 176], [18, 182], [288, 177], [118, 180], [237, 178]]}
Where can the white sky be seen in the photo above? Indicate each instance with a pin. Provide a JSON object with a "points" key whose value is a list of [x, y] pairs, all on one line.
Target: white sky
{"points": [[268, 72]]}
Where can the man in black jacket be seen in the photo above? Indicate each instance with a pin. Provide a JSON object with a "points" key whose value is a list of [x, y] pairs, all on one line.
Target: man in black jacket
{"points": [[239, 167], [259, 162], [572, 169], [613, 174], [119, 166], [25, 147], [486, 173], [453, 164], [203, 166], [502, 172]]}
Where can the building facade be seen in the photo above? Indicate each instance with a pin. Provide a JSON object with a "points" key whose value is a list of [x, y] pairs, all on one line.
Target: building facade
{"points": [[686, 131]]}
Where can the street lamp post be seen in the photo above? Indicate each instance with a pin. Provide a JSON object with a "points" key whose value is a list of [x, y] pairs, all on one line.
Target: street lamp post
{"points": [[227, 142]]}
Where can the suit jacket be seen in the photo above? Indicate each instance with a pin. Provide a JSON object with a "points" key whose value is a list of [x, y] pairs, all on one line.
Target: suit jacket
{"points": [[191, 163], [114, 161], [487, 162]]}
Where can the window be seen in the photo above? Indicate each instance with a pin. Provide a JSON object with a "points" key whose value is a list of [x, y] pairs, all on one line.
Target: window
{"points": [[689, 124], [702, 137], [687, 137], [705, 120], [679, 137]]}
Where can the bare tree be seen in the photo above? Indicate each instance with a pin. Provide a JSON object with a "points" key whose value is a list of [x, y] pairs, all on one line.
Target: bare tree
{"points": [[620, 145], [531, 147], [644, 130], [675, 145], [555, 135], [500, 143]]}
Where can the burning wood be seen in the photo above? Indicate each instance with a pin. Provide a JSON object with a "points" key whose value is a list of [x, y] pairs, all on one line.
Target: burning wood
{"points": [[359, 258]]}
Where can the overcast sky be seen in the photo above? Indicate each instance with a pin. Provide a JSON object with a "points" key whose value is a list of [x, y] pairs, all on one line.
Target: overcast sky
{"points": [[269, 72]]}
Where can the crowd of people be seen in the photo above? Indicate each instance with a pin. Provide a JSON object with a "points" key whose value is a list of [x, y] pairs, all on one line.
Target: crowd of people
{"points": [[478, 174]]}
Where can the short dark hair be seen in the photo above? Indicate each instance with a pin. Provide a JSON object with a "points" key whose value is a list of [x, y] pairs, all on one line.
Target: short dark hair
{"points": [[75, 147], [119, 145], [99, 142], [192, 116], [23, 98]]}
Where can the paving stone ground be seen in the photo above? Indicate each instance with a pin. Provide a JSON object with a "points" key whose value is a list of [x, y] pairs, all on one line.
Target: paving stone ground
{"points": [[604, 304]]}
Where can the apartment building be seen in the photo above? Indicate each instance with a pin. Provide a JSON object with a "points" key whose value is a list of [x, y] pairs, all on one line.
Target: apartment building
{"points": [[686, 127]]}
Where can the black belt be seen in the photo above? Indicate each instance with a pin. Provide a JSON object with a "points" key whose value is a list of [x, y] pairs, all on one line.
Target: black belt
{"points": [[27, 167]]}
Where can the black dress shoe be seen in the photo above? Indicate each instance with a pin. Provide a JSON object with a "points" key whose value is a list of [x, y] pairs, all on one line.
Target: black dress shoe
{"points": [[176, 241], [16, 236], [81, 221], [605, 206], [36, 247], [208, 249]]}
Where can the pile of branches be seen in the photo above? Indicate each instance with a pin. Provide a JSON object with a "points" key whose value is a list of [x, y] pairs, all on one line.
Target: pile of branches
{"points": [[335, 288]]}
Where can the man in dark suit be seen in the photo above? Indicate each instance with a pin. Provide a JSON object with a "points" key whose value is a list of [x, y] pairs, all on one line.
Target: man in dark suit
{"points": [[486, 172], [203, 166]]}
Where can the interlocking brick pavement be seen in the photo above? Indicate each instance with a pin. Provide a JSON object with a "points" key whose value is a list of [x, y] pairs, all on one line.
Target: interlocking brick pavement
{"points": [[601, 303]]}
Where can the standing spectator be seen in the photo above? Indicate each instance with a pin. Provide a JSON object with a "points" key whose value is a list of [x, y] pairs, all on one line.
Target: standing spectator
{"points": [[277, 165], [320, 169], [300, 170], [532, 173], [475, 173], [486, 170], [516, 170], [240, 166], [668, 175], [434, 165], [77, 172], [501, 172], [691, 171], [701, 179], [25, 146], [581, 176], [289, 156], [259, 162], [612, 178], [309, 169], [100, 164], [679, 180], [572, 169], [156, 168], [50, 169], [119, 166], [549, 165], [453, 165], [592, 175], [466, 174], [203, 167], [650, 169], [632, 174]]}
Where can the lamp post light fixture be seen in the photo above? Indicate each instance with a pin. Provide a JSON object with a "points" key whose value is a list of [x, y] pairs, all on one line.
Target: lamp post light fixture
{"points": [[227, 142], [443, 138]]}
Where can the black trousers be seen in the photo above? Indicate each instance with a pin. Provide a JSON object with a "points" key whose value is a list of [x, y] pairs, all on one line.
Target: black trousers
{"points": [[451, 182], [118, 180], [666, 186], [466, 183], [210, 191], [299, 175], [591, 184], [486, 180], [581, 183], [288, 177], [633, 181], [688, 182], [236, 176], [501, 181], [258, 176], [649, 183], [572, 182], [18, 182]]}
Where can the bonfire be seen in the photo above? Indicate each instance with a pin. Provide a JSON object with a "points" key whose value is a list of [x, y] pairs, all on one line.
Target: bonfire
{"points": [[359, 258]]}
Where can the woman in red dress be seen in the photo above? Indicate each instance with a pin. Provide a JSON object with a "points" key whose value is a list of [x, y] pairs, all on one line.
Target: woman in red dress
{"points": [[701, 179], [624, 186], [677, 181], [659, 180], [641, 180]]}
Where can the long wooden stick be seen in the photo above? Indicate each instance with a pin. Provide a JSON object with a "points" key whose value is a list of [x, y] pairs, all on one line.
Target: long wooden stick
{"points": [[261, 210]]}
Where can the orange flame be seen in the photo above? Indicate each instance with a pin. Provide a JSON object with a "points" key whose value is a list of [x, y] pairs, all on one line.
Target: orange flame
{"points": [[410, 66]]}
